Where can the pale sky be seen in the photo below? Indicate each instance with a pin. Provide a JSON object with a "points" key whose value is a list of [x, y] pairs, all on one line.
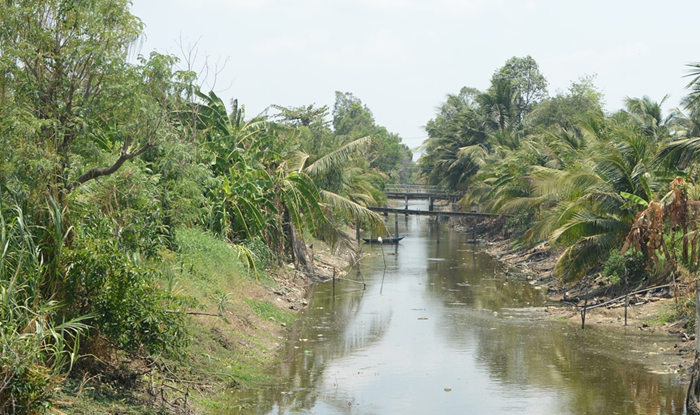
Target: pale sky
{"points": [[402, 57]]}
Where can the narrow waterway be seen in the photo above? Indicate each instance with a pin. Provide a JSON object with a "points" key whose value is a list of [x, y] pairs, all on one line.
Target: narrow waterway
{"points": [[439, 330]]}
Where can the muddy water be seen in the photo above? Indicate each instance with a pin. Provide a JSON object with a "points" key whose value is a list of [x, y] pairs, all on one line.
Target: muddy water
{"points": [[439, 330]]}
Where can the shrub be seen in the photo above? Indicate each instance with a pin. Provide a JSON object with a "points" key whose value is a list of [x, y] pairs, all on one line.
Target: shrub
{"points": [[629, 267], [121, 290]]}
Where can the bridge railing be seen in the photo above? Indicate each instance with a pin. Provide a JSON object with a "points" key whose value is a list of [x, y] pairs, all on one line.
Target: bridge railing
{"points": [[411, 188], [418, 188]]}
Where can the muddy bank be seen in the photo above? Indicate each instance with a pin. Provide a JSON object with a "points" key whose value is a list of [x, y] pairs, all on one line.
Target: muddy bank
{"points": [[652, 311], [292, 281]]}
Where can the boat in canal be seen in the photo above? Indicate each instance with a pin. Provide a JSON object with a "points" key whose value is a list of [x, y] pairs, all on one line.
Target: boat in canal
{"points": [[383, 240]]}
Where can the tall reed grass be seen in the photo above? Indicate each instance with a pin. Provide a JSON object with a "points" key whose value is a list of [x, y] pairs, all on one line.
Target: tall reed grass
{"points": [[37, 349]]}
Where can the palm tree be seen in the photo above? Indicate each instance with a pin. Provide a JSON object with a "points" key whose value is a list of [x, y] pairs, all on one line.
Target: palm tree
{"points": [[267, 189], [457, 126], [594, 217], [354, 185]]}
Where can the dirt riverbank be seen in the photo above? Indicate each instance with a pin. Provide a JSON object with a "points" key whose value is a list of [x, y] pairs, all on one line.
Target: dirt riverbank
{"points": [[654, 311]]}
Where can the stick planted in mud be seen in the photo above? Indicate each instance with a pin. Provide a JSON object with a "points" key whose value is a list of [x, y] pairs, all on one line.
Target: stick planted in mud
{"points": [[583, 312]]}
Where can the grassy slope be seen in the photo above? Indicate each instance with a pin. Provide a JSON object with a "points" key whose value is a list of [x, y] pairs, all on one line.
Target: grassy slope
{"points": [[226, 352]]}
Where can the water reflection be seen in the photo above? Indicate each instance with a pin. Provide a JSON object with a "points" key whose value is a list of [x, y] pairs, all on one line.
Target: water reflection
{"points": [[442, 316]]}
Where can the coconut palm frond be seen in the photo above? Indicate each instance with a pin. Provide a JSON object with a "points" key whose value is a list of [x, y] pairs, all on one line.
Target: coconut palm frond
{"points": [[583, 254], [354, 210], [338, 156], [584, 224], [520, 204], [693, 85], [604, 201], [296, 160], [681, 153]]}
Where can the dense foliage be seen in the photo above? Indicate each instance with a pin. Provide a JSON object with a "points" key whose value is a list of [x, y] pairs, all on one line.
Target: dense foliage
{"points": [[103, 155], [582, 179]]}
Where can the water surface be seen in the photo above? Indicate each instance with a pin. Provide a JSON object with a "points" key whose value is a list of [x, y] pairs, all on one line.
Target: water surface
{"points": [[439, 329]]}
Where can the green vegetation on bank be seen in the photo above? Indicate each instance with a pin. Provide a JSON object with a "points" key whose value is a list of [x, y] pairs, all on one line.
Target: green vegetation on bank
{"points": [[133, 205], [232, 345], [593, 184]]}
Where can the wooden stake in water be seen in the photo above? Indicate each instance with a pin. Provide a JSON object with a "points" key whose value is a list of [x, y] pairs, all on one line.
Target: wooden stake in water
{"points": [[583, 312], [437, 227], [396, 224], [627, 301], [381, 244]]}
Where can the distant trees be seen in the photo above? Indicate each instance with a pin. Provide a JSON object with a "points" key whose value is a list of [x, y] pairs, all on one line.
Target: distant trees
{"points": [[566, 108], [352, 119], [525, 79]]}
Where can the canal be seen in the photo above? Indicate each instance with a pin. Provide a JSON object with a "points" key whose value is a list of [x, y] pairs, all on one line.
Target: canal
{"points": [[439, 329]]}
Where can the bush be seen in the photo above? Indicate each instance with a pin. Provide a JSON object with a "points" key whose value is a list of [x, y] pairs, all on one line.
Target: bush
{"points": [[264, 257], [520, 221], [629, 267], [130, 309]]}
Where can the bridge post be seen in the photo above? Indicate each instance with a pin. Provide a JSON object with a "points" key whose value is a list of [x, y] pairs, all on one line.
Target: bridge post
{"points": [[430, 203], [396, 224], [437, 227]]}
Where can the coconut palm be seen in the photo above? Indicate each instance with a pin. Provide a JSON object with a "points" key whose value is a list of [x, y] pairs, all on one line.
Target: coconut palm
{"points": [[457, 126], [354, 185], [594, 216], [267, 190]]}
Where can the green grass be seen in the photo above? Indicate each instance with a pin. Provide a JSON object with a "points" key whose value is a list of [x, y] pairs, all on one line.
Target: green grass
{"points": [[672, 312], [268, 311], [232, 351]]}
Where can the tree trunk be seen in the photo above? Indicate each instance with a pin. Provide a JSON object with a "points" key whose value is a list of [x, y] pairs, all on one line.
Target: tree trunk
{"points": [[685, 244], [300, 252]]}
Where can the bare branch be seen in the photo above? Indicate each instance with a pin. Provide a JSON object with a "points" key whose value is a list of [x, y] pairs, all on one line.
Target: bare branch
{"points": [[106, 171]]}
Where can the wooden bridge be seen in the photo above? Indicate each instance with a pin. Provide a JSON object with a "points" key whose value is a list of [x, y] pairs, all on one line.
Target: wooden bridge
{"points": [[431, 193], [420, 191], [407, 212]]}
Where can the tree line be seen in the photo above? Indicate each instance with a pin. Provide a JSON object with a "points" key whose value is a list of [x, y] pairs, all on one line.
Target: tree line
{"points": [[615, 191]]}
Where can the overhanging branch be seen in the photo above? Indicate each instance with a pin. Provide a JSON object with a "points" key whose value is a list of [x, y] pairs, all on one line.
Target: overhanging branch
{"points": [[106, 171]]}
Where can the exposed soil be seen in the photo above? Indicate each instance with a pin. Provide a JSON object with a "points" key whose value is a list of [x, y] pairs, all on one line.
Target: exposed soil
{"points": [[291, 283], [646, 311]]}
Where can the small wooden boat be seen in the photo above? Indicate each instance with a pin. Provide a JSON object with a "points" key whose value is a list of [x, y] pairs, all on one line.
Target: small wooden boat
{"points": [[384, 240]]}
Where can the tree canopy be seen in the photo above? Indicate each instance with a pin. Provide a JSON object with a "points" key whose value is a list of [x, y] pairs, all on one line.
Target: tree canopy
{"points": [[586, 181]]}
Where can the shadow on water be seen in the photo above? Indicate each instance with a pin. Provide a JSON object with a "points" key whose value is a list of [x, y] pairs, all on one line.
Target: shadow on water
{"points": [[440, 330]]}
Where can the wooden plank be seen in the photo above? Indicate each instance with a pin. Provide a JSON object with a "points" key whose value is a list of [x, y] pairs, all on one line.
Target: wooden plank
{"points": [[435, 213], [403, 195]]}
